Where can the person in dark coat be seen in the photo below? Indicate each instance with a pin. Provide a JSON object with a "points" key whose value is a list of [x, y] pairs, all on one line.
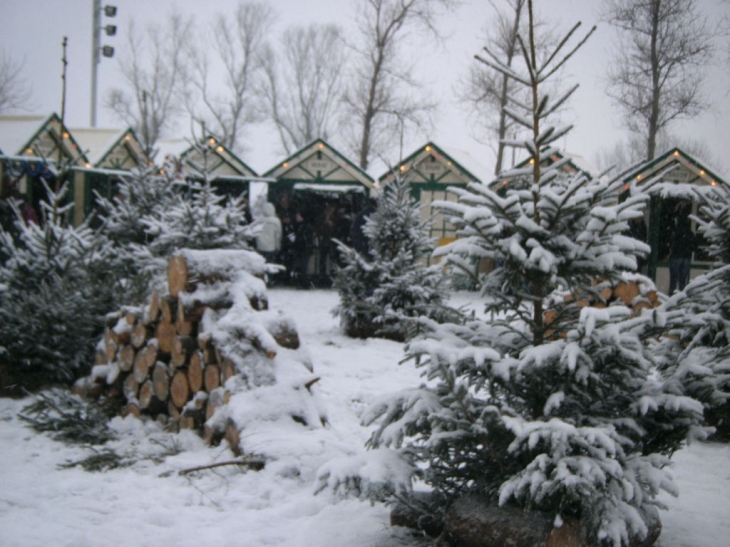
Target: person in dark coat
{"points": [[358, 240], [682, 245]]}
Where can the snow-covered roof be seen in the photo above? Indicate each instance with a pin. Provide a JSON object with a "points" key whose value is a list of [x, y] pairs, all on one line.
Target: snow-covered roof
{"points": [[96, 142], [433, 164], [16, 131], [674, 166], [480, 170], [171, 147], [319, 162]]}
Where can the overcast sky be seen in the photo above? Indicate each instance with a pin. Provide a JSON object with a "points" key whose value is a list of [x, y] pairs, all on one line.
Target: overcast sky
{"points": [[32, 30]]}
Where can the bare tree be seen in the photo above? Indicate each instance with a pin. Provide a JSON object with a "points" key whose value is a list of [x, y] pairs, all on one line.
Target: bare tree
{"points": [[382, 97], [304, 92], [657, 75], [486, 91], [227, 106], [14, 90], [151, 72]]}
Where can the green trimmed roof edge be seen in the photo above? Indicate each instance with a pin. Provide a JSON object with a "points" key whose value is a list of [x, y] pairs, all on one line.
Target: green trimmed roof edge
{"points": [[422, 149]]}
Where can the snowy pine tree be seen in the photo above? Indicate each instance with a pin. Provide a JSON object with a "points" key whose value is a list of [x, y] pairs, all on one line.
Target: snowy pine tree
{"points": [[380, 292], [54, 293], [698, 346], [141, 196], [157, 213], [547, 404]]}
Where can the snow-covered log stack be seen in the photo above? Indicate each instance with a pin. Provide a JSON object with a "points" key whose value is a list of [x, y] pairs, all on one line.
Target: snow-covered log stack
{"points": [[184, 355], [633, 291]]}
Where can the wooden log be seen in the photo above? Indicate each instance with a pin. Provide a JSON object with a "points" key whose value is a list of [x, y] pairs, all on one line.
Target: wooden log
{"points": [[233, 436], [131, 409], [132, 315], [215, 400], [127, 355], [173, 411], [168, 305], [161, 381], [140, 334], [641, 305], [165, 334], [199, 400], [147, 399], [652, 296], [141, 370], [187, 422], [179, 389], [205, 340], [550, 316], [196, 414], [284, 333], [186, 328], [121, 333], [153, 311], [151, 353], [211, 377], [191, 307], [195, 371], [130, 388], [87, 389], [182, 348], [626, 292], [228, 370], [100, 357], [110, 347]]}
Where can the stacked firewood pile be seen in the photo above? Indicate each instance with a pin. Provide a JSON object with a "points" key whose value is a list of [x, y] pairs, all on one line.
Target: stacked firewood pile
{"points": [[635, 292], [172, 361]]}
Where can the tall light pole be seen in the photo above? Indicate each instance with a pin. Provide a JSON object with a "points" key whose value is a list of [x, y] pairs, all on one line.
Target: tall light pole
{"points": [[97, 50]]}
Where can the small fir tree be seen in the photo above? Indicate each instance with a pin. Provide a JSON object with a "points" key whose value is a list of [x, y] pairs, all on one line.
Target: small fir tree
{"points": [[547, 405], [698, 348], [158, 213], [380, 293], [141, 196], [54, 293]]}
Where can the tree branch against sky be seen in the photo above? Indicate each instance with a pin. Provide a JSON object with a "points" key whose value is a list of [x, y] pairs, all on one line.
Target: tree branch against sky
{"points": [[657, 74], [222, 93], [151, 72], [382, 98], [484, 91], [14, 89], [304, 84]]}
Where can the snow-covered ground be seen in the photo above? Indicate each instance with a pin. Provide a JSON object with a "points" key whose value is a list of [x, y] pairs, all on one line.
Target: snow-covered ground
{"points": [[149, 503]]}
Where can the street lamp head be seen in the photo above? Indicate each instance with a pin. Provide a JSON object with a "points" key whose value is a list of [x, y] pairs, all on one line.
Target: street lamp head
{"points": [[110, 30], [107, 51], [110, 11]]}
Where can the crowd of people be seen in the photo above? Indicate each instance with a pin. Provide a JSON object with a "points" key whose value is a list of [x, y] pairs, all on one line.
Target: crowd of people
{"points": [[300, 232]]}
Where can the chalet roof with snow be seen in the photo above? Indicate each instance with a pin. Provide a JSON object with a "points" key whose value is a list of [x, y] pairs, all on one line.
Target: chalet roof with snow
{"points": [[432, 164], [211, 156], [674, 173], [113, 149], [319, 165], [34, 138]]}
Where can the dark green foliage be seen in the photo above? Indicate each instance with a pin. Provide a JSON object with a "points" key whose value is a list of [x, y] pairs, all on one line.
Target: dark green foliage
{"points": [[99, 461], [697, 352], [54, 292], [69, 418], [381, 293]]}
